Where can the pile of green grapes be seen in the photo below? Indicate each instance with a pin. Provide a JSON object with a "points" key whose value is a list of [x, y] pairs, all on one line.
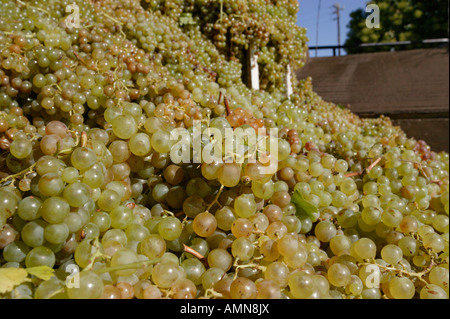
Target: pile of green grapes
{"points": [[92, 205]]}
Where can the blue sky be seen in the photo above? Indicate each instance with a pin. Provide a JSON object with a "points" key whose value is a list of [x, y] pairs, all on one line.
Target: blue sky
{"points": [[307, 17]]}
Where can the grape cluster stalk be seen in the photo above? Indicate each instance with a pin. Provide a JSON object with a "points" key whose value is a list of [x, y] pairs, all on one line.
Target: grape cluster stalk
{"points": [[354, 209]]}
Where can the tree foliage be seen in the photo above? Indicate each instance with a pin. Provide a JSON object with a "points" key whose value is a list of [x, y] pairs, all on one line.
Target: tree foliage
{"points": [[400, 20]]}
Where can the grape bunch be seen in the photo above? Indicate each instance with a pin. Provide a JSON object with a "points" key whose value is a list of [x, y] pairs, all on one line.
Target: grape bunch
{"points": [[93, 203], [235, 26]]}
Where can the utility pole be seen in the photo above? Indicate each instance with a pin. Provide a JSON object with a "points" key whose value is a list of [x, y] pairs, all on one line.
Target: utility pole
{"points": [[337, 8], [317, 26]]}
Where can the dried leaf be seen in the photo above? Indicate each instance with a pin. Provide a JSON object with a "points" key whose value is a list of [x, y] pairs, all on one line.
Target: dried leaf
{"points": [[42, 272], [11, 277]]}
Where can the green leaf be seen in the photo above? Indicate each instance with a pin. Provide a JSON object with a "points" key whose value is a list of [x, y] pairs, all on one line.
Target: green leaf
{"points": [[11, 277], [41, 272], [303, 207]]}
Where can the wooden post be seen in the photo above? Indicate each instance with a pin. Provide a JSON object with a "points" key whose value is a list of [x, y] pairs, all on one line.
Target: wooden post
{"points": [[252, 68], [288, 81]]}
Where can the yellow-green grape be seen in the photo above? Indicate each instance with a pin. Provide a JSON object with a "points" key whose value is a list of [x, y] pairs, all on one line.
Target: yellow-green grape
{"points": [[391, 254], [371, 215], [439, 276], [229, 174], [408, 245], [28, 208], [339, 275], [245, 205], [15, 251], [440, 223], [391, 217], [153, 246], [170, 228], [348, 186], [432, 291], [324, 231], [298, 259], [40, 256], [402, 288], [225, 218], [90, 286], [263, 190], [49, 289], [301, 285], [140, 144], [32, 233], [102, 220], [242, 248], [82, 158], [364, 248], [121, 217], [284, 149], [355, 287], [194, 269], [108, 200], [152, 124], [54, 210], [211, 276], [56, 233], [123, 257], [77, 194], [434, 241], [288, 245], [278, 272], [50, 184], [120, 151], [124, 126], [70, 175], [220, 258], [165, 274], [210, 171], [136, 232], [161, 142], [94, 178], [340, 244], [20, 148]]}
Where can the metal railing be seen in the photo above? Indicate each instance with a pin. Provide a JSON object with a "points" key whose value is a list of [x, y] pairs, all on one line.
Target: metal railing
{"points": [[392, 45]]}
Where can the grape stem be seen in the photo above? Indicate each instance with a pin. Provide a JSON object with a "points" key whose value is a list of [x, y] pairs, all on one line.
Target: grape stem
{"points": [[135, 265], [252, 265], [367, 170], [227, 105], [405, 272], [215, 199], [195, 253], [97, 254], [119, 27], [210, 292], [29, 5], [24, 172]]}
